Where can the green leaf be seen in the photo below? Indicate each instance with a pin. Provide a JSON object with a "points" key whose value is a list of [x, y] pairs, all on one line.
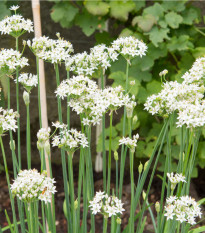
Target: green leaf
{"points": [[201, 202], [155, 53], [190, 15], [142, 95], [198, 52], [173, 19], [154, 87], [180, 43], [144, 22], [198, 230], [144, 63], [157, 35], [97, 7], [64, 13], [87, 22], [156, 10], [201, 150], [177, 6], [4, 11], [103, 38], [121, 9]]}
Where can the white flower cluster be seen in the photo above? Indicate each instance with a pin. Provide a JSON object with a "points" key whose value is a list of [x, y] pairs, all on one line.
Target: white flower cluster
{"points": [[131, 143], [129, 47], [15, 25], [183, 209], [108, 206], [175, 179], [30, 186], [87, 64], [11, 59], [28, 80], [87, 99], [43, 137], [69, 140], [8, 120], [54, 51]]}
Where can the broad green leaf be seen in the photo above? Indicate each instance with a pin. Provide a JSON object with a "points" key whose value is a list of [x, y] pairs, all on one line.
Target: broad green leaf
{"points": [[156, 10], [144, 22], [149, 148], [157, 35], [142, 95], [97, 7], [173, 19], [190, 15], [156, 128], [87, 22], [162, 23], [4, 11], [179, 43], [103, 38], [126, 32], [140, 149], [121, 9], [155, 53], [186, 61], [139, 4], [177, 6], [154, 87], [119, 65], [64, 13], [198, 52]]}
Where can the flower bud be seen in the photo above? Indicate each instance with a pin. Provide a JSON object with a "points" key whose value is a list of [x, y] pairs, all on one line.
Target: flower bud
{"points": [[76, 204], [129, 110], [132, 83], [12, 145], [157, 206], [146, 164], [116, 156], [118, 220], [135, 119], [144, 195], [26, 98], [140, 168], [24, 42], [47, 147]]}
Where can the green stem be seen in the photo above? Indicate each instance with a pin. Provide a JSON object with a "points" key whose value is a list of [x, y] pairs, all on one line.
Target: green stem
{"points": [[109, 158], [28, 137], [39, 98], [65, 178], [103, 137], [18, 110], [68, 107], [8, 182], [105, 225], [132, 192], [71, 188]]}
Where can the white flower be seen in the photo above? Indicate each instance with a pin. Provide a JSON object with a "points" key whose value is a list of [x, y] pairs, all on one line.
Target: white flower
{"points": [[69, 140], [43, 137], [30, 186], [175, 179], [54, 51], [14, 8], [8, 120], [11, 59], [131, 143], [183, 209], [163, 73], [108, 206], [28, 80], [129, 47], [15, 25]]}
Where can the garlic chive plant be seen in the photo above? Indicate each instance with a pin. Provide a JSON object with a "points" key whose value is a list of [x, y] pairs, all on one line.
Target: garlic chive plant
{"points": [[180, 105]]}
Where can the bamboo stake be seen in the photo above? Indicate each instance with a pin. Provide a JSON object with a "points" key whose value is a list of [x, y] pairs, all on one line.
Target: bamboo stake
{"points": [[38, 33]]}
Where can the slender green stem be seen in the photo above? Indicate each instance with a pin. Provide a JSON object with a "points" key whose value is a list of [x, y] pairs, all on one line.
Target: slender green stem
{"points": [[28, 137], [122, 160], [65, 178], [68, 107], [8, 182], [39, 99], [105, 225], [71, 188], [103, 137], [18, 110], [109, 158], [132, 192], [116, 184]]}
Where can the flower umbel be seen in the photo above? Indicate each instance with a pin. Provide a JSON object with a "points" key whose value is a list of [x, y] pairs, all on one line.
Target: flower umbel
{"points": [[30, 186]]}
